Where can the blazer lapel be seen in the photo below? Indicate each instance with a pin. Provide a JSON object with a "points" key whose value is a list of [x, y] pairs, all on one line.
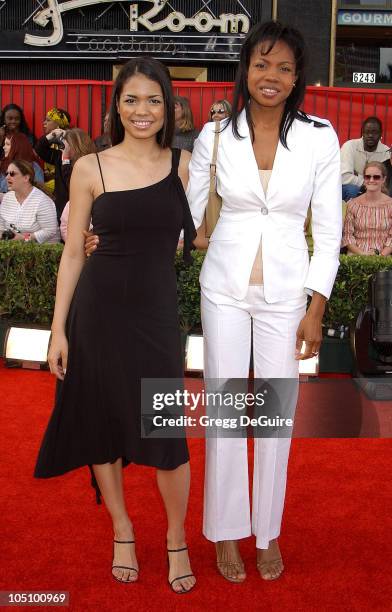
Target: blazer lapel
{"points": [[247, 161], [276, 175]]}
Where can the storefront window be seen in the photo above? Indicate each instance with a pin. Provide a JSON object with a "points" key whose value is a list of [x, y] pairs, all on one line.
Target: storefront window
{"points": [[363, 44]]}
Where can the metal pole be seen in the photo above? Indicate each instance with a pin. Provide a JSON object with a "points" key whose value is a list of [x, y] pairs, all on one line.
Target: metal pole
{"points": [[332, 48], [275, 9]]}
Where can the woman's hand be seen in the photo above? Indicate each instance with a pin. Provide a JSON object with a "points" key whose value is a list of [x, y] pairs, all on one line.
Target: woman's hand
{"points": [[310, 328], [58, 355], [91, 242], [57, 134], [310, 332]]}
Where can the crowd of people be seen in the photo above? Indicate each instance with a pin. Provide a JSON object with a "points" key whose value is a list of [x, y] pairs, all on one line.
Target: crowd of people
{"points": [[366, 170], [48, 162]]}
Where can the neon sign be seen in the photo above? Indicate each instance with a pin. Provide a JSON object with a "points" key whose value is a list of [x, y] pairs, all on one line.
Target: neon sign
{"points": [[175, 22]]}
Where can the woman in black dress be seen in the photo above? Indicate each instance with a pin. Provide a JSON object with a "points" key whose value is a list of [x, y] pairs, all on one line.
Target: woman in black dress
{"points": [[116, 320]]}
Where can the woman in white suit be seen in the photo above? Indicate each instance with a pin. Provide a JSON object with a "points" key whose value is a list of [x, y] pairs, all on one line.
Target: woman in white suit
{"points": [[273, 161]]}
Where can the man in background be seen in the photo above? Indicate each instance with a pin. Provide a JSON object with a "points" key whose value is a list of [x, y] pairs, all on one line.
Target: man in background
{"points": [[356, 153]]}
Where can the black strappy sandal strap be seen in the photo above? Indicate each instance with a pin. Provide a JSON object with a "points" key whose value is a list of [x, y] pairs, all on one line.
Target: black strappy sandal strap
{"points": [[126, 567], [177, 549], [180, 578]]}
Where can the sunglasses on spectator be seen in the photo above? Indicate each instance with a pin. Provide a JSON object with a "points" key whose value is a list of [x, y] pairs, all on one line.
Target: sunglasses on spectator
{"points": [[219, 111], [375, 177], [11, 173]]}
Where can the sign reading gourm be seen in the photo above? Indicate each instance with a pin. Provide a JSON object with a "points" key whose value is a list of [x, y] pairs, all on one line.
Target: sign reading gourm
{"points": [[176, 21]]}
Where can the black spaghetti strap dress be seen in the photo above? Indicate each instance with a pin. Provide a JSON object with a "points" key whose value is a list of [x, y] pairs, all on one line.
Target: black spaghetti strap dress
{"points": [[122, 326]]}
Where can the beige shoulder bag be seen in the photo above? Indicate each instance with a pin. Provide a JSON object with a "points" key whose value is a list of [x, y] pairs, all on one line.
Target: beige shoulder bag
{"points": [[214, 204]]}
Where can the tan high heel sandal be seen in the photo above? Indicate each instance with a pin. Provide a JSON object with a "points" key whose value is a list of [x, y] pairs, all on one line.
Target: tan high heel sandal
{"points": [[225, 566], [265, 567]]}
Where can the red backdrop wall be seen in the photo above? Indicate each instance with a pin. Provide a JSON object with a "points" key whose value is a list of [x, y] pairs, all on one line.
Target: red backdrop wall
{"points": [[87, 101]]}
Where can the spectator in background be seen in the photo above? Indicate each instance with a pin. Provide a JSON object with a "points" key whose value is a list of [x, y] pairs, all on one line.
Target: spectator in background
{"points": [[71, 144], [104, 141], [26, 209], [56, 118], [185, 133], [76, 144], [356, 153], [220, 109], [12, 121], [18, 147], [368, 222], [388, 168]]}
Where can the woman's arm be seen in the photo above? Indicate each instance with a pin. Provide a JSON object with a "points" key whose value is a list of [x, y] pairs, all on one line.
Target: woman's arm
{"points": [[387, 249], [46, 152], [183, 168], [201, 241], [199, 173], [73, 257], [46, 219], [327, 234], [326, 203], [72, 261], [2, 209], [348, 239]]}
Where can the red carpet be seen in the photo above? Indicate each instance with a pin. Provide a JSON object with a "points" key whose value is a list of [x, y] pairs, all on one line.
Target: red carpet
{"points": [[335, 540]]}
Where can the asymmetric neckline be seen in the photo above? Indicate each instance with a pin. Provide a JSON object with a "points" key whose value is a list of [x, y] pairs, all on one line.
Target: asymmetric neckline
{"points": [[117, 191]]}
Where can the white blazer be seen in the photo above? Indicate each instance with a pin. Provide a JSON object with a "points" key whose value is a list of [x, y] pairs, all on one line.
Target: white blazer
{"points": [[309, 171]]}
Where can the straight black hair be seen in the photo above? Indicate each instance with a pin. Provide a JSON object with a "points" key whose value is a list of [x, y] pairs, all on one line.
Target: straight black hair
{"points": [[157, 72], [271, 32]]}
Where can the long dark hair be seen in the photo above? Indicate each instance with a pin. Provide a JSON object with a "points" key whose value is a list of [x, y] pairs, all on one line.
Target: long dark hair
{"points": [[23, 127], [271, 32], [157, 72]]}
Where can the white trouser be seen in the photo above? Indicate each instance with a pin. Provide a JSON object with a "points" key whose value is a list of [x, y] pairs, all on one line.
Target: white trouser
{"points": [[227, 329]]}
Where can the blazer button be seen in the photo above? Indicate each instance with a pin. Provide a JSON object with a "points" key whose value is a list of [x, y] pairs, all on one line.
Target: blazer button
{"points": [[264, 211]]}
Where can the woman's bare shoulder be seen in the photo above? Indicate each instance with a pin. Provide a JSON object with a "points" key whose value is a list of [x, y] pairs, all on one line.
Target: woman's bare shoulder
{"points": [[87, 162]]}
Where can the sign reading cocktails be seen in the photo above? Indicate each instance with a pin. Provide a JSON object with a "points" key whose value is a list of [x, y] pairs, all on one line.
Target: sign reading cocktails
{"points": [[149, 27]]}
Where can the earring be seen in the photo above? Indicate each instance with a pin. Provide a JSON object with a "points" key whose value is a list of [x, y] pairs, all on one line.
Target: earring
{"points": [[294, 83]]}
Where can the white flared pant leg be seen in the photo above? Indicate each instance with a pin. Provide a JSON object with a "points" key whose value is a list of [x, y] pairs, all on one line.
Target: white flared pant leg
{"points": [[274, 338], [227, 342], [227, 336]]}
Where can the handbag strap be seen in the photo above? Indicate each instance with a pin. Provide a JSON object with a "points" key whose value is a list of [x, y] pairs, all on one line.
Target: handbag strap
{"points": [[214, 158]]}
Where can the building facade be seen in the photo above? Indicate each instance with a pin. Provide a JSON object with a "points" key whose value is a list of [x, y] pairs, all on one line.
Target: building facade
{"points": [[350, 41]]}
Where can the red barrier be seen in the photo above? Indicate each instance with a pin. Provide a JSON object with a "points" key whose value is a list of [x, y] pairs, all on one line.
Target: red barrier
{"points": [[87, 102]]}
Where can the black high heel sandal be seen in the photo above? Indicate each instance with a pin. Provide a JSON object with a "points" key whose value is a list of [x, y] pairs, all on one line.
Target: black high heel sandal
{"points": [[123, 566], [175, 550]]}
